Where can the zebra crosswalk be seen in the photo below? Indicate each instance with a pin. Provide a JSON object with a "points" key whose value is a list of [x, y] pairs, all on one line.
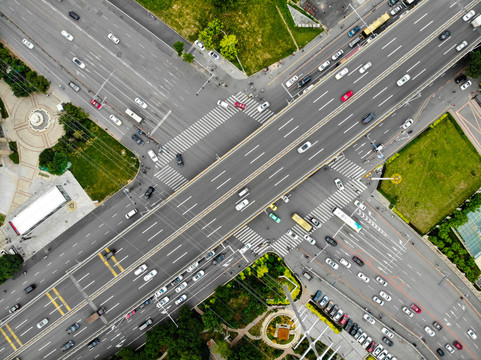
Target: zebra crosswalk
{"points": [[347, 168], [171, 177]]}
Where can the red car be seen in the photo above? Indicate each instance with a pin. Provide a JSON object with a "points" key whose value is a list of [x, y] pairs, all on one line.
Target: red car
{"points": [[96, 104], [458, 345], [344, 319], [415, 308], [240, 105], [130, 314], [347, 95], [371, 347]]}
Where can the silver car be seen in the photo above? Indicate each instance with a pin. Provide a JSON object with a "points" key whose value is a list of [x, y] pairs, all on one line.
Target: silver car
{"points": [[324, 65], [403, 80], [337, 55]]}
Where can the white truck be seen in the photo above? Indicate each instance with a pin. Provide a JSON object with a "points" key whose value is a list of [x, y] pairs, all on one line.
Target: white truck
{"points": [[477, 21]]}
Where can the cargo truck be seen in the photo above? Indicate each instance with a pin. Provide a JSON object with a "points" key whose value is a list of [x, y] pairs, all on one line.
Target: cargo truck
{"points": [[96, 315]]}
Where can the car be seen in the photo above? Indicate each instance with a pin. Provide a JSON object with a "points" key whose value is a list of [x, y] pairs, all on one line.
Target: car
{"points": [[14, 308], [440, 352], [407, 124], [461, 46], [403, 80], [377, 300], [198, 275], [437, 326], [161, 291], [354, 329], [130, 314], [180, 161], [429, 331], [240, 105], [346, 96], [304, 147], [362, 338], [273, 207], [181, 299], [66, 35], [337, 55], [193, 267], [245, 248], [141, 103], [354, 30], [291, 81], [72, 328], [358, 261], [93, 343], [329, 307], [209, 255], [369, 319], [395, 10], [177, 280], [218, 259], [371, 347], [334, 311], [214, 55], [363, 68], [472, 334], [181, 287], [323, 301], [330, 241], [363, 277], [74, 86], [348, 325], [149, 192], [263, 106], [415, 308], [449, 348], [444, 35], [141, 269], [304, 81], [150, 275], [461, 78], [383, 355], [332, 264], [341, 73], [113, 38], [385, 296], [131, 213], [242, 205], [377, 350], [345, 263], [163, 302], [42, 323], [358, 333], [366, 342], [138, 140], [469, 15], [153, 156], [292, 234], [387, 332], [407, 311], [466, 85], [28, 44], [223, 104], [338, 315], [309, 239], [96, 104], [29, 288], [339, 184], [78, 63], [73, 15], [145, 303], [274, 217], [360, 205], [324, 65], [199, 45], [458, 345], [315, 222]]}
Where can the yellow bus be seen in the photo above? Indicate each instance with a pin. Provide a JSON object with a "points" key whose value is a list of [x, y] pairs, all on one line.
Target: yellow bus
{"points": [[305, 225], [375, 25]]}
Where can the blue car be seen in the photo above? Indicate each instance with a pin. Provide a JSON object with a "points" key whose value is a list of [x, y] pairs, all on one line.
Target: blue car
{"points": [[354, 30]]}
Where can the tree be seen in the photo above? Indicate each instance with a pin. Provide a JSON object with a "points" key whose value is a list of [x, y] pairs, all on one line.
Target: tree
{"points": [[207, 38], [46, 157], [59, 163], [179, 47], [188, 58], [222, 347], [474, 64], [223, 5], [209, 35], [228, 47], [9, 266], [245, 351], [211, 320]]}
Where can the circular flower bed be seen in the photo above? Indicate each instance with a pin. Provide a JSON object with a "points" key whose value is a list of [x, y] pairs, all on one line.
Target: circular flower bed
{"points": [[280, 322]]}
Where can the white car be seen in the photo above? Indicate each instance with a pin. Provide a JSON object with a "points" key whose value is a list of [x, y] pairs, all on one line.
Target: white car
{"points": [[304, 147], [429, 331], [472, 334], [337, 55], [345, 263], [461, 46], [181, 287], [341, 73], [361, 338], [116, 120], [369, 319], [339, 184], [360, 205], [214, 56], [199, 44], [141, 103], [383, 355], [181, 299], [153, 156], [198, 275], [193, 267], [363, 68], [244, 249], [385, 296], [324, 65], [338, 315], [403, 80], [367, 342], [222, 103], [395, 10], [140, 269], [263, 106], [332, 263], [163, 302], [407, 124], [42, 323], [309, 239], [381, 281], [291, 81], [363, 277], [131, 213], [449, 348], [469, 15], [377, 350], [386, 332], [28, 44], [113, 38], [66, 35], [161, 291], [292, 234], [377, 300], [242, 205], [150, 275], [407, 312], [466, 85], [78, 63]]}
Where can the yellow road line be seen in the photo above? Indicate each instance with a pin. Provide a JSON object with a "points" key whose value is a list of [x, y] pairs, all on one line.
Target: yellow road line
{"points": [[115, 260], [61, 299], [107, 264], [8, 339], [13, 334], [55, 304]]}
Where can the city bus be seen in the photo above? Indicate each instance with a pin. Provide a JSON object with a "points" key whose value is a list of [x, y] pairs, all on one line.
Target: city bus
{"points": [[133, 115], [375, 25], [303, 223], [347, 219]]}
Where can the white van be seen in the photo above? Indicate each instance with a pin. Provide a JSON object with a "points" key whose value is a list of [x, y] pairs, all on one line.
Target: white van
{"points": [[133, 115], [144, 325], [243, 192], [131, 213]]}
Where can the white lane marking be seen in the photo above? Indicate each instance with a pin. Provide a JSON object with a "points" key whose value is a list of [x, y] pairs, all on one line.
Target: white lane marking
{"points": [[286, 123], [367, 72], [320, 97], [186, 211], [315, 154], [276, 172], [181, 256], [322, 107], [389, 43], [150, 227], [412, 67], [422, 29], [420, 18], [225, 182], [214, 231], [182, 203], [255, 147], [379, 93], [174, 250], [345, 120], [418, 74], [345, 131], [392, 52], [281, 180], [208, 224], [385, 101], [451, 48], [157, 233], [290, 132], [256, 158]]}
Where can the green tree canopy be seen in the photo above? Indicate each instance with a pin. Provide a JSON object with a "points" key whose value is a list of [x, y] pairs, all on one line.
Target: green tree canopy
{"points": [[9, 266], [474, 64], [179, 47], [228, 47]]}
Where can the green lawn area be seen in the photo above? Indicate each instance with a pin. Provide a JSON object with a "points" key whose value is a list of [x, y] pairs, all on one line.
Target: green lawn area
{"points": [[257, 24], [439, 170], [104, 166]]}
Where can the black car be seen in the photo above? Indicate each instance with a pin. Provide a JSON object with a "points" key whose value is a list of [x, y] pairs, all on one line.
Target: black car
{"points": [[445, 35], [387, 341], [460, 79], [145, 303], [149, 192], [348, 325], [392, 2], [177, 280], [440, 352], [138, 140], [354, 329], [67, 345], [29, 288], [358, 261], [437, 325], [73, 328], [14, 308], [180, 162], [73, 15], [218, 259], [304, 81], [93, 343], [331, 241]]}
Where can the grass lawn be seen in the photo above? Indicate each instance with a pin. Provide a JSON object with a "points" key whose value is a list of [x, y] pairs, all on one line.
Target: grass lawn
{"points": [[104, 166], [439, 169], [257, 24]]}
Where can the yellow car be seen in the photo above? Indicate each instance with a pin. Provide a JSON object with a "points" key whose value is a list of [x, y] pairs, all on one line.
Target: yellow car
{"points": [[273, 207]]}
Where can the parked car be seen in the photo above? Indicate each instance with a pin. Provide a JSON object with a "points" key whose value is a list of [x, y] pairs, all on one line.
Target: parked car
{"points": [[354, 30]]}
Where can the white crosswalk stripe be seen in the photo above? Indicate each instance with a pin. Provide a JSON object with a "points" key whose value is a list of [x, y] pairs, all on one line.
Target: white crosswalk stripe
{"points": [[248, 236], [251, 108], [347, 168], [171, 177]]}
